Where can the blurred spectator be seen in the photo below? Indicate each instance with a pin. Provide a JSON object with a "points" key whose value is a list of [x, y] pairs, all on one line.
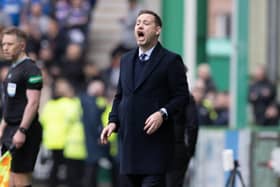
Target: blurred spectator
{"points": [[72, 66], [54, 40], [37, 19], [3, 72], [15, 9], [127, 25], [272, 115], [5, 20], [47, 6], [61, 11], [90, 71], [204, 73], [186, 133], [75, 149], [205, 106], [56, 117], [93, 105], [46, 93], [222, 109], [78, 16], [34, 40], [261, 94], [111, 75]]}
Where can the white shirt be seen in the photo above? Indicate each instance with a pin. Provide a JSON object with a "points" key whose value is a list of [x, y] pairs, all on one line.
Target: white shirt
{"points": [[148, 53]]}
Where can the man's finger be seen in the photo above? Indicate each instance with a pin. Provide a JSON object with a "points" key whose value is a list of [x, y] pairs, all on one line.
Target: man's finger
{"points": [[148, 120], [151, 130], [148, 125], [110, 131], [103, 136]]}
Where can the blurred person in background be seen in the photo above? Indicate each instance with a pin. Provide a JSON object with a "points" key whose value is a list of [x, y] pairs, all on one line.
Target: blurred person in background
{"points": [[127, 38], [5, 20], [56, 117], [272, 115], [3, 73], [52, 47], [111, 74], [186, 132], [4, 68], [127, 25], [61, 11], [37, 19], [72, 65], [261, 94], [78, 15], [47, 6], [204, 73], [34, 39], [91, 71], [221, 105], [15, 9], [75, 151], [93, 105], [205, 106]]}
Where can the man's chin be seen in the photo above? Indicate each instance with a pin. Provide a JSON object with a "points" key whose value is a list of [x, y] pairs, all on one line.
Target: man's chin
{"points": [[7, 60]]}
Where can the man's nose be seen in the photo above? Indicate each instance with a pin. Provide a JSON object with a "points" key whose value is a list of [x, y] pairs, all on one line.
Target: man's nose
{"points": [[140, 25], [4, 48]]}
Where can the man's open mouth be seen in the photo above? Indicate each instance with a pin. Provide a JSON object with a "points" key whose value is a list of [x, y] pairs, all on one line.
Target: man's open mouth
{"points": [[140, 34]]}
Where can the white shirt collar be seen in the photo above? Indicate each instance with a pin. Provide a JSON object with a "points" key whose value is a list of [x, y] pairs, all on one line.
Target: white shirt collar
{"points": [[148, 53]]}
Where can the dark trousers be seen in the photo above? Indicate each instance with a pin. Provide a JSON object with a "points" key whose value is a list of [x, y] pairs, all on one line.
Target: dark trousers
{"points": [[176, 174], [58, 160], [75, 172], [144, 181], [90, 175]]}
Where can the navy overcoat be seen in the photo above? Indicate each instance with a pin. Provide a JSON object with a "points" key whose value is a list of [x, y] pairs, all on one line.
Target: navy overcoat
{"points": [[162, 84]]}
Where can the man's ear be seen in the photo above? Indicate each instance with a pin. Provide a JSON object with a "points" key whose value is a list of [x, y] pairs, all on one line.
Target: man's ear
{"points": [[22, 46], [158, 30]]}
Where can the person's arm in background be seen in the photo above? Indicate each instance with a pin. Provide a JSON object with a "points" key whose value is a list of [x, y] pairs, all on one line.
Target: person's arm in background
{"points": [[191, 126]]}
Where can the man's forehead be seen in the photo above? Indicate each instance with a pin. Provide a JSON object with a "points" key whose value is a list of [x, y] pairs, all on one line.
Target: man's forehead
{"points": [[9, 37]]}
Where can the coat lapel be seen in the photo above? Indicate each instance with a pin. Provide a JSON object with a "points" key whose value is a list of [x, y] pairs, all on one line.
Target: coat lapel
{"points": [[129, 73], [150, 66]]}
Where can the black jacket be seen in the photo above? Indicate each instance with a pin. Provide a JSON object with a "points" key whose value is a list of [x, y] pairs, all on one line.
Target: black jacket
{"points": [[162, 84]]}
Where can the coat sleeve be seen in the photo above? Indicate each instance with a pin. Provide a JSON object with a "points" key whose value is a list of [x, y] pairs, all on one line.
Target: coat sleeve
{"points": [[177, 85]]}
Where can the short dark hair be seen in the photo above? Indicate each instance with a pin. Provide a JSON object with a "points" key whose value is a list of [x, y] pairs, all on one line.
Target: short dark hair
{"points": [[157, 18], [20, 34]]}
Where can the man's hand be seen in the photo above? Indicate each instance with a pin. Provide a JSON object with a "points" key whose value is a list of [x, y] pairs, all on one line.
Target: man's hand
{"points": [[153, 123], [19, 139], [106, 132]]}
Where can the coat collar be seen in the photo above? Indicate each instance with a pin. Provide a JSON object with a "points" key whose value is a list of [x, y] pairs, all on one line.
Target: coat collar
{"points": [[154, 60]]}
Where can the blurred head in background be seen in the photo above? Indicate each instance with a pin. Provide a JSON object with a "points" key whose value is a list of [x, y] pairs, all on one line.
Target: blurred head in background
{"points": [[62, 88], [96, 88]]}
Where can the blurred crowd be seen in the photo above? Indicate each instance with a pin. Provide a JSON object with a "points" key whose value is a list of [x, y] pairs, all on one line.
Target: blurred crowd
{"points": [[213, 105], [76, 96]]}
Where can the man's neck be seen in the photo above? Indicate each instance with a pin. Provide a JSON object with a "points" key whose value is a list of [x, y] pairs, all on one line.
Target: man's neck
{"points": [[20, 57], [147, 48]]}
